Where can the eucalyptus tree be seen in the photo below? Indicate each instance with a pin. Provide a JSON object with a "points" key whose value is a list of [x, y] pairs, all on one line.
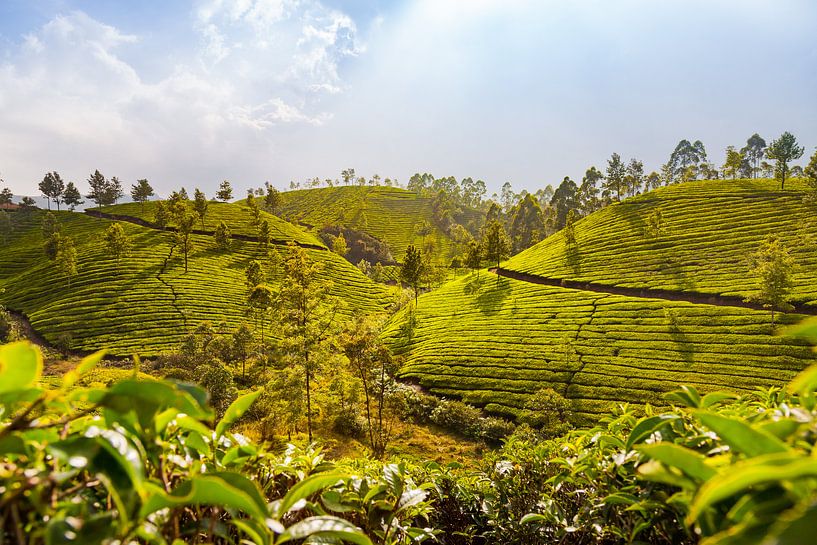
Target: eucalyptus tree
{"points": [[71, 196], [783, 151], [141, 191]]}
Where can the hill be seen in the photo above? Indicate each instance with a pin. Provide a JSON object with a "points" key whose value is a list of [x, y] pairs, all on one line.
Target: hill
{"points": [[496, 342], [236, 215], [391, 215], [621, 316], [148, 303], [711, 228]]}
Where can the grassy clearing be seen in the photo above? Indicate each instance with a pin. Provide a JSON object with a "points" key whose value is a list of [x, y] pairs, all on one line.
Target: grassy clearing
{"points": [[712, 227], [148, 303], [496, 342], [236, 215], [389, 214]]}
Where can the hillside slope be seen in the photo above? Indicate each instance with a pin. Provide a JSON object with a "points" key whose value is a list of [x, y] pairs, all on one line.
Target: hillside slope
{"points": [[236, 215], [389, 214], [711, 230], [496, 342], [147, 303]]}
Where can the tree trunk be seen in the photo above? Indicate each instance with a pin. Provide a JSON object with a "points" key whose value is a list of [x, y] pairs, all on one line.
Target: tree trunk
{"points": [[308, 399]]}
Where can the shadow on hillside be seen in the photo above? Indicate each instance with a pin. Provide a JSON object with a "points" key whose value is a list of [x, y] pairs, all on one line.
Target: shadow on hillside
{"points": [[573, 258], [674, 268], [492, 294], [684, 346]]}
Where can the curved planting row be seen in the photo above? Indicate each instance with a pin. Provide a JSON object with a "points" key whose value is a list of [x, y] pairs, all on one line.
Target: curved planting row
{"points": [[147, 302], [236, 215], [496, 341], [709, 233]]}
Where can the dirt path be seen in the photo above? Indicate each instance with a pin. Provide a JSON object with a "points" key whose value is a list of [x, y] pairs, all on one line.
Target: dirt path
{"points": [[645, 293]]}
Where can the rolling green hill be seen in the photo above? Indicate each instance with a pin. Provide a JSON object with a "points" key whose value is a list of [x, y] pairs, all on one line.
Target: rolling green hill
{"points": [[496, 343], [501, 343], [389, 214], [712, 228], [235, 215], [148, 303]]}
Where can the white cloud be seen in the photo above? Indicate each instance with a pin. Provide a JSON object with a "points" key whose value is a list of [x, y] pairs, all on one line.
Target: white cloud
{"points": [[70, 101]]}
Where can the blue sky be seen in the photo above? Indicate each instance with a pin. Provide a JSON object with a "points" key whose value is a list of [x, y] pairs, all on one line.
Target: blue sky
{"points": [[527, 91]]}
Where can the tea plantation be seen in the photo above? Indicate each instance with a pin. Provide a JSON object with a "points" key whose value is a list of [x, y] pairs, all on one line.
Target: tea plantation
{"points": [[710, 230], [147, 303], [389, 214], [497, 341], [236, 215]]}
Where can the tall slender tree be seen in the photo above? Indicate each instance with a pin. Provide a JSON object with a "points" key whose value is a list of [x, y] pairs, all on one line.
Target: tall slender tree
{"points": [[52, 188], [754, 151], [99, 189], [225, 191], [200, 205], [307, 314], [411, 270], [614, 182]]}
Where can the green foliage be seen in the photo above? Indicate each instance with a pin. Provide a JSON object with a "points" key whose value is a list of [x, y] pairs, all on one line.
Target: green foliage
{"points": [[784, 150], [152, 470], [222, 236], [225, 191], [773, 265], [117, 243], [411, 271], [495, 242]]}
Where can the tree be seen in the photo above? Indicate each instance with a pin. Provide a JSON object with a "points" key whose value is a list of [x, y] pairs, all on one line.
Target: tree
{"points": [[339, 245], [348, 175], [99, 189], [254, 274], [684, 156], [260, 302], [564, 200], [371, 361], [6, 196], [27, 203], [655, 224], [733, 163], [117, 242], [528, 224], [411, 270], [113, 191], [140, 192], [242, 345], [52, 234], [225, 191], [473, 256], [614, 182], [634, 178], [772, 266], [66, 258], [507, 197], [307, 316], [222, 236], [255, 211], [587, 196], [200, 205], [72, 196], [161, 215], [783, 151], [754, 151], [810, 173], [264, 234], [6, 227], [183, 235], [52, 188], [495, 243], [272, 200]]}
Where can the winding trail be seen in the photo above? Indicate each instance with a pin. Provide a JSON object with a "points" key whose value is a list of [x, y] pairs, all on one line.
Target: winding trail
{"points": [[646, 293]]}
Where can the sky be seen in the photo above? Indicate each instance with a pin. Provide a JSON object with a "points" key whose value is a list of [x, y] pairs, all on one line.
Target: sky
{"points": [[526, 91]]}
